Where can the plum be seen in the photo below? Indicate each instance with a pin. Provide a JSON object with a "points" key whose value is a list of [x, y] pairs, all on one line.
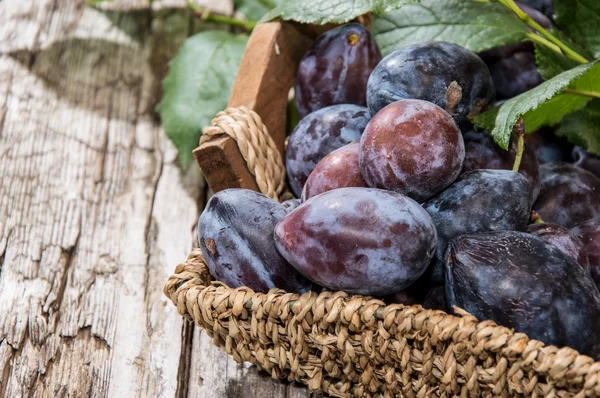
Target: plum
{"points": [[291, 204], [339, 169], [586, 160], [521, 282], [446, 74], [589, 233], [235, 232], [481, 152], [549, 148], [479, 201], [319, 134], [569, 194], [361, 240], [335, 69], [412, 147], [513, 67], [562, 238]]}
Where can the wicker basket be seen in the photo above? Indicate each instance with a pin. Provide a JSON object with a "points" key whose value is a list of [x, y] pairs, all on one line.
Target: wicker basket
{"points": [[344, 345]]}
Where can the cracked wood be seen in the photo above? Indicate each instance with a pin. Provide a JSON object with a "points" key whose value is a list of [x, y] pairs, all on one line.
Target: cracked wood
{"points": [[95, 211]]}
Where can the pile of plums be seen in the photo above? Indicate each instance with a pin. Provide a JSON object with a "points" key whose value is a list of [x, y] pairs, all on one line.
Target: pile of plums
{"points": [[399, 198]]}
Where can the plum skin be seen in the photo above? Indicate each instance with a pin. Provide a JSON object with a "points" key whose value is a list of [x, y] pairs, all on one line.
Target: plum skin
{"points": [[360, 240], [426, 71], [319, 134], [235, 233], [589, 233], [569, 195], [481, 152], [339, 169], [479, 201], [521, 282], [412, 147], [562, 238], [335, 69]]}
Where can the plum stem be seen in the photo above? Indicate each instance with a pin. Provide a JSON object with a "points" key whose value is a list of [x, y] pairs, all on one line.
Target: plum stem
{"points": [[535, 218], [539, 39], [519, 129], [569, 52], [207, 15]]}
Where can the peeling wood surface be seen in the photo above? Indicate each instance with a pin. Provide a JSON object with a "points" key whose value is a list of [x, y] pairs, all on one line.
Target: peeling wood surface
{"points": [[95, 211]]}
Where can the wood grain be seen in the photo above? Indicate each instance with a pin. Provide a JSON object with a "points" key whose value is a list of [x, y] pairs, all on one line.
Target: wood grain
{"points": [[262, 84], [95, 211]]}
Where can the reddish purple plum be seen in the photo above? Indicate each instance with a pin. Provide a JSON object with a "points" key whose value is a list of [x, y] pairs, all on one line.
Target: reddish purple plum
{"points": [[569, 194], [481, 152], [589, 233], [411, 147], [319, 134], [235, 232], [562, 238], [335, 69], [339, 169], [361, 240]]}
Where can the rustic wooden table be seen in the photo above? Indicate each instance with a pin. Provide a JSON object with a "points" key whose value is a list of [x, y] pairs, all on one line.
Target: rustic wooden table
{"points": [[94, 210]]}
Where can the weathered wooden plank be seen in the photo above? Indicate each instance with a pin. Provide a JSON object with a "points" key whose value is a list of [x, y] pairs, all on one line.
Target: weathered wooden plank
{"points": [[94, 210]]}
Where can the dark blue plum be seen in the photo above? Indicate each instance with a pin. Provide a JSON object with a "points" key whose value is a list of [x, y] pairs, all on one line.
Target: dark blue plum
{"points": [[291, 204], [586, 160], [521, 282], [549, 148], [479, 201], [235, 232], [513, 67], [481, 152], [446, 74], [335, 69], [319, 134], [544, 6], [569, 195], [361, 240]]}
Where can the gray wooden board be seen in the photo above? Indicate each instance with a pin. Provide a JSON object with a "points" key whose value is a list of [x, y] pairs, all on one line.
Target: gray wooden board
{"points": [[95, 211]]}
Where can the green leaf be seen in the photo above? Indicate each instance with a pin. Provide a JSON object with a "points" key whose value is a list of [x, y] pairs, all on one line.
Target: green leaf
{"points": [[580, 19], [198, 86], [549, 62], [254, 10], [475, 25], [583, 127], [336, 11], [539, 106]]}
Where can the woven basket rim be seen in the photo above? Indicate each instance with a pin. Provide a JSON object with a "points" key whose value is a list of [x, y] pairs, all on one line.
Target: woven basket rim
{"points": [[207, 302]]}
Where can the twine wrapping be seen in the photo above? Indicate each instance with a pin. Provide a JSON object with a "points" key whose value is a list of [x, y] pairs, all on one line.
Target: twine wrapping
{"points": [[347, 345], [255, 144]]}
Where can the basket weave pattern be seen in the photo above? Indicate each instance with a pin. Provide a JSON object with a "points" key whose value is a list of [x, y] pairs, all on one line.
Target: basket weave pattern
{"points": [[348, 345]]}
